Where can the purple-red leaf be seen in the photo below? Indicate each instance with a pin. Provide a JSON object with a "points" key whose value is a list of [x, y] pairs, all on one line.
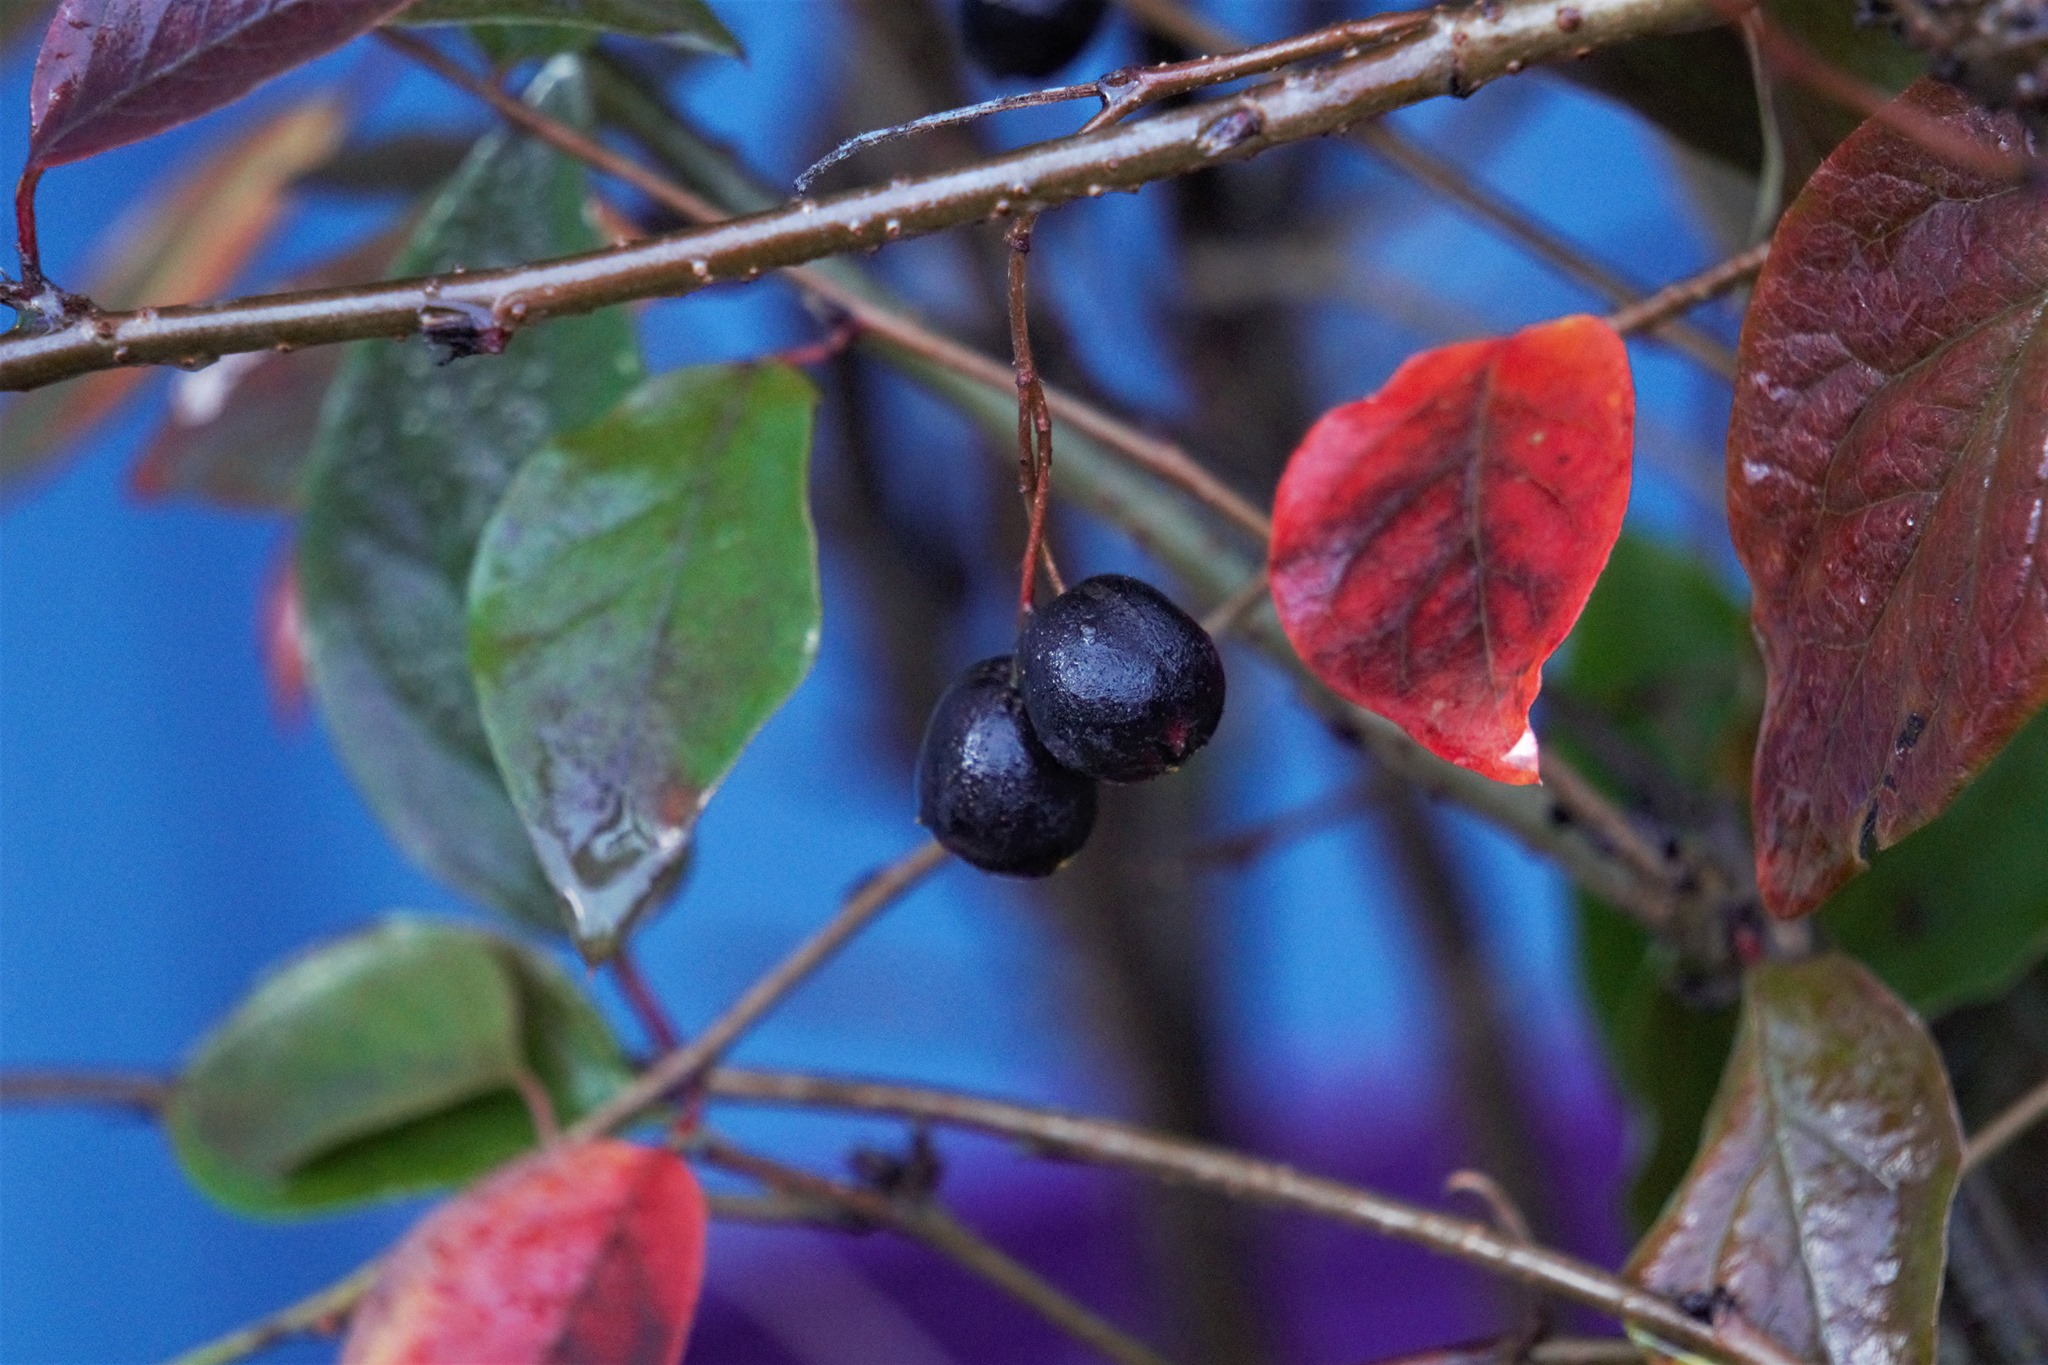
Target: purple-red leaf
{"points": [[1817, 1207], [1434, 543], [113, 72], [1887, 470], [588, 1251]]}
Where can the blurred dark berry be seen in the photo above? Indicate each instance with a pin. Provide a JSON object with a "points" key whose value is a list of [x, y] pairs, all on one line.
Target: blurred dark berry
{"points": [[1121, 684], [988, 790]]}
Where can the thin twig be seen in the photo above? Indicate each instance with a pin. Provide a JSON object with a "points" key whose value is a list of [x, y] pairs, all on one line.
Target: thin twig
{"points": [[932, 1225], [644, 1003], [1108, 1143], [945, 118], [1173, 20], [1158, 457], [1674, 299], [2028, 1110], [1582, 802], [116, 1089], [318, 1314], [1231, 611], [682, 1067], [1460, 49]]}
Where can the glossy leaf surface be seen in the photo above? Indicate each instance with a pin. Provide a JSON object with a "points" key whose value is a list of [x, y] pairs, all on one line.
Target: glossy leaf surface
{"points": [[411, 457], [1433, 544], [1886, 489], [186, 242], [644, 599], [680, 23], [114, 71], [590, 1251], [385, 1064], [1819, 1198]]}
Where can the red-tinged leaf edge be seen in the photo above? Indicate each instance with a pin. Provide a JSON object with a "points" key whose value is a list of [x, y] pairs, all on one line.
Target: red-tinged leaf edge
{"points": [[111, 72], [587, 1251], [1885, 490], [1433, 544]]}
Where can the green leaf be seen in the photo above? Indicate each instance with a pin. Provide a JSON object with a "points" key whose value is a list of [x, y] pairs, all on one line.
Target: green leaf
{"points": [[1667, 1050], [385, 1064], [411, 456], [1958, 912], [679, 23], [1658, 699], [1819, 1200], [644, 598], [1697, 86]]}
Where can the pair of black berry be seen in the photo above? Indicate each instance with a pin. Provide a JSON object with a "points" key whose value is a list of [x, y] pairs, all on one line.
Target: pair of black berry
{"points": [[1111, 682], [1027, 37]]}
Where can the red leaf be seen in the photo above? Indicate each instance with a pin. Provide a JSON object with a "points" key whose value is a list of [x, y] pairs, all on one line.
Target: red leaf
{"points": [[1886, 479], [589, 1251], [113, 72], [1434, 543]]}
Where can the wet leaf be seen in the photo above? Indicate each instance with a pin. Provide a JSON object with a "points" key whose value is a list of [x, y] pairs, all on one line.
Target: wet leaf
{"points": [[113, 72], [410, 458], [1886, 490], [186, 242], [680, 23], [644, 598], [1432, 544], [590, 1251], [240, 432], [1819, 1200], [383, 1064]]}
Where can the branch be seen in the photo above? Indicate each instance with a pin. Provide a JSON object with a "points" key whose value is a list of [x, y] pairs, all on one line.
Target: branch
{"points": [[1171, 19], [1460, 50], [2028, 1110], [929, 1223], [684, 1066], [1674, 299], [1104, 1142], [1101, 452], [138, 1091], [320, 1313]]}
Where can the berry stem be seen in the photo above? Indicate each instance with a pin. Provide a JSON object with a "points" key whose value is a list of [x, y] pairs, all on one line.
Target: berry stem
{"points": [[1034, 422]]}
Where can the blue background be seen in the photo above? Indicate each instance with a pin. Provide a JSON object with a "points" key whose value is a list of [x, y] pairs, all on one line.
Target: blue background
{"points": [[164, 836]]}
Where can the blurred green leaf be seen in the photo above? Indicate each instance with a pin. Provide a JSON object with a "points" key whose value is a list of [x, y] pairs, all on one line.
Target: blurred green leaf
{"points": [[1819, 1199], [1658, 700], [1697, 86], [679, 23], [1667, 1051], [385, 1064], [411, 456], [644, 598], [1958, 912], [21, 18]]}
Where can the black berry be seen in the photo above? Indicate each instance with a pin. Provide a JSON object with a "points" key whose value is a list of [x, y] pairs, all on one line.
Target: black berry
{"points": [[1120, 683], [1027, 37], [988, 790]]}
